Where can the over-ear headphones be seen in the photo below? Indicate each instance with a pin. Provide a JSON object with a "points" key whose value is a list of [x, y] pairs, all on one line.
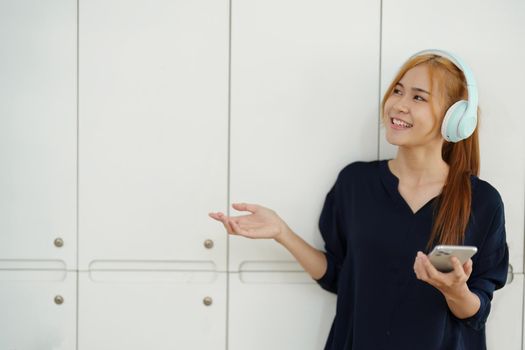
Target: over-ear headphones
{"points": [[462, 117]]}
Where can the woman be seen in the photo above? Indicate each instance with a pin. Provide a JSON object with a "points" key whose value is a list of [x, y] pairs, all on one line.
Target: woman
{"points": [[380, 217]]}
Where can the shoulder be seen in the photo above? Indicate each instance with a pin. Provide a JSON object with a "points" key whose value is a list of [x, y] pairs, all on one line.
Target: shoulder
{"points": [[357, 175], [484, 195], [360, 169]]}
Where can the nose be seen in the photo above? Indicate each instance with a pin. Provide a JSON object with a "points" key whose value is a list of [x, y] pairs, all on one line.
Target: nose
{"points": [[400, 105]]}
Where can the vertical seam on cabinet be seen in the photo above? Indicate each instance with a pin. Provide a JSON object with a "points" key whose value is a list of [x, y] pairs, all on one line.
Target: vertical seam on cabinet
{"points": [[523, 283], [379, 85], [228, 176], [77, 182]]}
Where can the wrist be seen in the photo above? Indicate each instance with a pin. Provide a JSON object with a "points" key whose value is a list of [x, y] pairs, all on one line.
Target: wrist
{"points": [[284, 233], [458, 293], [463, 303]]}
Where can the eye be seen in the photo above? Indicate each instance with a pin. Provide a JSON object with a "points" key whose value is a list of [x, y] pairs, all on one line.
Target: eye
{"points": [[421, 98], [396, 91]]}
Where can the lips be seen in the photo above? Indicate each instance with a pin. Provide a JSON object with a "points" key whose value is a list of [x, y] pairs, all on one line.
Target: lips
{"points": [[399, 124]]}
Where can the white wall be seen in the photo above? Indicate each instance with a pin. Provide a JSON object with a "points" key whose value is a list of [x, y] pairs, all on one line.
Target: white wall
{"points": [[123, 123]]}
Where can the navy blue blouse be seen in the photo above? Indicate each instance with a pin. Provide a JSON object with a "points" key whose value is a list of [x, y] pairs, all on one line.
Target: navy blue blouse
{"points": [[371, 240]]}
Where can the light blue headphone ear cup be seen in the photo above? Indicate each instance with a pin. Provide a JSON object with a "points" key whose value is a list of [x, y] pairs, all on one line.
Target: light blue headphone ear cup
{"points": [[467, 125], [450, 128]]}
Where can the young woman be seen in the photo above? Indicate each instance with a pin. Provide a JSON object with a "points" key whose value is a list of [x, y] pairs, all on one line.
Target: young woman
{"points": [[380, 217]]}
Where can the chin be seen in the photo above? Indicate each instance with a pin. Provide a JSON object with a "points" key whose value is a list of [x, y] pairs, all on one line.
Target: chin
{"points": [[393, 143], [396, 141]]}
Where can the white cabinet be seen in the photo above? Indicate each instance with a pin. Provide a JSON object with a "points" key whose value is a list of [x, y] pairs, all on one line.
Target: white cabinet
{"points": [[38, 310], [504, 325], [38, 149], [153, 147], [304, 84], [38, 159], [153, 132], [279, 311], [162, 310], [38, 130]]}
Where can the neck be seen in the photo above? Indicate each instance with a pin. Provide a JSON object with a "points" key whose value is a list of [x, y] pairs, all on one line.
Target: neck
{"points": [[419, 166]]}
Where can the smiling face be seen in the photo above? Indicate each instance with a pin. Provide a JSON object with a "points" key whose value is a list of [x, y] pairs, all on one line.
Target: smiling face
{"points": [[408, 111]]}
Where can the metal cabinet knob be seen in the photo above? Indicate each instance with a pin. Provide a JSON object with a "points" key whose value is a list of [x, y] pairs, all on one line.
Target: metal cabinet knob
{"points": [[208, 244], [207, 301], [59, 300], [59, 242]]}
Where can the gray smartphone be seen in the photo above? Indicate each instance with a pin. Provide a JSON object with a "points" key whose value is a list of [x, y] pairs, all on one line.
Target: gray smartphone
{"points": [[440, 255]]}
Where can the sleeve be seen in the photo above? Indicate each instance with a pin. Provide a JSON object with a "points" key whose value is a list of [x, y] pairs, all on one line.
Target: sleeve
{"points": [[490, 269], [335, 242]]}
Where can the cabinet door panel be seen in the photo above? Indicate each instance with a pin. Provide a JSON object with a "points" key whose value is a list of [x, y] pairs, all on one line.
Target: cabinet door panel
{"points": [[160, 310], [504, 325], [153, 130], [303, 105], [32, 316], [276, 310], [38, 130]]}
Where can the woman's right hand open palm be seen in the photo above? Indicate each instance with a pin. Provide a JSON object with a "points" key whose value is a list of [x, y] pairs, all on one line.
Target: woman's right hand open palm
{"points": [[261, 223]]}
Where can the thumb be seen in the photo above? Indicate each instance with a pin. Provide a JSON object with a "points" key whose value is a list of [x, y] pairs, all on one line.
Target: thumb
{"points": [[245, 207]]}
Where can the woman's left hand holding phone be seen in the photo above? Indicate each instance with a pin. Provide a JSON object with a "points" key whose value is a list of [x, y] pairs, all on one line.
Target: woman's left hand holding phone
{"points": [[453, 285]]}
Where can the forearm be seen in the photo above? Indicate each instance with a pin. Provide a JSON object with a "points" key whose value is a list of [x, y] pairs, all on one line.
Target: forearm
{"points": [[311, 259], [463, 303]]}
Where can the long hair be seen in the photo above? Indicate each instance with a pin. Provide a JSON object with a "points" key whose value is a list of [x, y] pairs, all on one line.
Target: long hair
{"points": [[452, 212]]}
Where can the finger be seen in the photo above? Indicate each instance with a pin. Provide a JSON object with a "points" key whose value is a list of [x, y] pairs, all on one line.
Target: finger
{"points": [[226, 224], [468, 267], [420, 263], [422, 273], [458, 268], [416, 264], [245, 207], [243, 218], [420, 270], [239, 230], [215, 216], [221, 218], [431, 271], [237, 221], [416, 269]]}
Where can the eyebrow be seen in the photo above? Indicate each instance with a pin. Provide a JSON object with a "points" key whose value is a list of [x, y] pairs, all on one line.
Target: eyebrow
{"points": [[415, 89]]}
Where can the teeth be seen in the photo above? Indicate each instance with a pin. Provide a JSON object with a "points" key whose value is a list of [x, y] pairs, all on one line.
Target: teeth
{"points": [[401, 123]]}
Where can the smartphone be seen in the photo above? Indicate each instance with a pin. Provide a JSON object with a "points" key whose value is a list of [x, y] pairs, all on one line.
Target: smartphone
{"points": [[440, 255]]}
